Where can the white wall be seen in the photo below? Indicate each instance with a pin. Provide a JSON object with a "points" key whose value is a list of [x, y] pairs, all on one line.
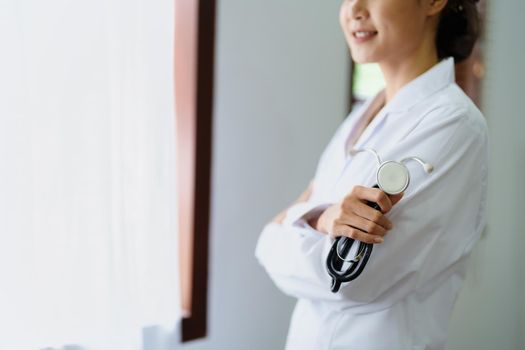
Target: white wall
{"points": [[281, 83], [491, 309]]}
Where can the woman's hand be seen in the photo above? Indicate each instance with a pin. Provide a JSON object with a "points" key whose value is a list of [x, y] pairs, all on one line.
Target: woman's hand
{"points": [[353, 218]]}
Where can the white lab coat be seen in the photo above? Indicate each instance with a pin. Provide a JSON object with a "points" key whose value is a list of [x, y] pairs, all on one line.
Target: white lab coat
{"points": [[404, 297]]}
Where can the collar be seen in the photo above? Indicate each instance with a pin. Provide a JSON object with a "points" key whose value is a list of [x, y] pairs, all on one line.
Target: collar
{"points": [[434, 79], [431, 81]]}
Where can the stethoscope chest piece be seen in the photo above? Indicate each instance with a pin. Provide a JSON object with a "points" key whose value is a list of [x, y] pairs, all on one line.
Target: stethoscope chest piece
{"points": [[393, 177]]}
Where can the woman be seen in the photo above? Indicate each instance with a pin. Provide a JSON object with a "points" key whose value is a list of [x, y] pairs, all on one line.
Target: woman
{"points": [[404, 297]]}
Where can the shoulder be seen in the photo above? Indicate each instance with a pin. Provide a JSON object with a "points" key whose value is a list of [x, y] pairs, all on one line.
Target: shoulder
{"points": [[453, 101], [458, 99], [450, 132], [451, 111]]}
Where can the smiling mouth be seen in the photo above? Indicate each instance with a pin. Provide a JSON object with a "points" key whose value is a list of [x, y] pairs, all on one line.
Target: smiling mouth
{"points": [[363, 34]]}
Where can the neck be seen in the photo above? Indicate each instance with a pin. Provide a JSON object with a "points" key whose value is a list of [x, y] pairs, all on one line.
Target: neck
{"points": [[399, 73]]}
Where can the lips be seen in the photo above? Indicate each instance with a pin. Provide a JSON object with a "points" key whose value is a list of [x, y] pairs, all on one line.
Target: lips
{"points": [[364, 34]]}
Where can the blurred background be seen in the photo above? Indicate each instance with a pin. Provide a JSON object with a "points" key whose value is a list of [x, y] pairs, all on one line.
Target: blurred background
{"points": [[87, 175]]}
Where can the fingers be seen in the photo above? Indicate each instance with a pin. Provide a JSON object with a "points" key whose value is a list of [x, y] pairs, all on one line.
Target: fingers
{"points": [[352, 232], [369, 213], [396, 198], [385, 202], [368, 226], [373, 195], [354, 218], [362, 229]]}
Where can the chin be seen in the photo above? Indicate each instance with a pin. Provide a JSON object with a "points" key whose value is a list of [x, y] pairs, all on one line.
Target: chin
{"points": [[357, 61], [361, 61], [362, 58]]}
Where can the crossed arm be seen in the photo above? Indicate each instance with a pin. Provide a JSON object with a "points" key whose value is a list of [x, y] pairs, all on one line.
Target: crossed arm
{"points": [[351, 217]]}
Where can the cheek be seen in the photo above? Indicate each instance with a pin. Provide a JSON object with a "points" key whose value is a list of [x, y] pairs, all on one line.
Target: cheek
{"points": [[342, 19], [410, 19], [344, 25], [399, 26]]}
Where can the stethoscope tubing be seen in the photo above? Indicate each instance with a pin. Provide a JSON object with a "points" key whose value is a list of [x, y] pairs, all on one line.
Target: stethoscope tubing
{"points": [[334, 262]]}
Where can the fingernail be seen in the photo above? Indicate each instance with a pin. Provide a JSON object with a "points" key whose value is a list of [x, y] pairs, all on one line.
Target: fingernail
{"points": [[379, 240]]}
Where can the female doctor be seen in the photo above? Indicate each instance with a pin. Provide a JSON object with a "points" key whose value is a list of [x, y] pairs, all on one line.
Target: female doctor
{"points": [[404, 297]]}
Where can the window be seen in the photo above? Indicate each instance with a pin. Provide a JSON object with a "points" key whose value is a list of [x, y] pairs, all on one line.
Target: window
{"points": [[367, 80]]}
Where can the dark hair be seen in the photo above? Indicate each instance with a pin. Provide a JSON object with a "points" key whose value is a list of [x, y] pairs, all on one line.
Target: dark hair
{"points": [[458, 29]]}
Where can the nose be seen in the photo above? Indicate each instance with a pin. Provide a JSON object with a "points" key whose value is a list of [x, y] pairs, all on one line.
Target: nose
{"points": [[355, 10]]}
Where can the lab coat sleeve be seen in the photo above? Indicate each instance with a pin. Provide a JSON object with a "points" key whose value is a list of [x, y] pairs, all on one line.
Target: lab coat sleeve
{"points": [[289, 251], [435, 224], [291, 255]]}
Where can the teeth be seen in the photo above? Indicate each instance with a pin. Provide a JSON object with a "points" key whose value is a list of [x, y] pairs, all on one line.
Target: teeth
{"points": [[363, 34]]}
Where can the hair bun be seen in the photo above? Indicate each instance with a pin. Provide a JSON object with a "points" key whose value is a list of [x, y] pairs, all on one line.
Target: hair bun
{"points": [[458, 29]]}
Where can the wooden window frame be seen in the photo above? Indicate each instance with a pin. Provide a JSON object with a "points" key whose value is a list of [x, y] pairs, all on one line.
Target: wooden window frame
{"points": [[194, 63]]}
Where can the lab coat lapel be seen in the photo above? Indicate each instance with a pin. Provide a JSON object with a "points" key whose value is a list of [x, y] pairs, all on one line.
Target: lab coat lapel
{"points": [[370, 130], [392, 124], [399, 111]]}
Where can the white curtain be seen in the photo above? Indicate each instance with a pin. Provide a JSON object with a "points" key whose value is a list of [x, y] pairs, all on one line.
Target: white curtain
{"points": [[88, 225]]}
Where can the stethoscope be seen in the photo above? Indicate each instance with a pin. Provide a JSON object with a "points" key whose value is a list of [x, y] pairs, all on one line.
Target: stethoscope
{"points": [[393, 178]]}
